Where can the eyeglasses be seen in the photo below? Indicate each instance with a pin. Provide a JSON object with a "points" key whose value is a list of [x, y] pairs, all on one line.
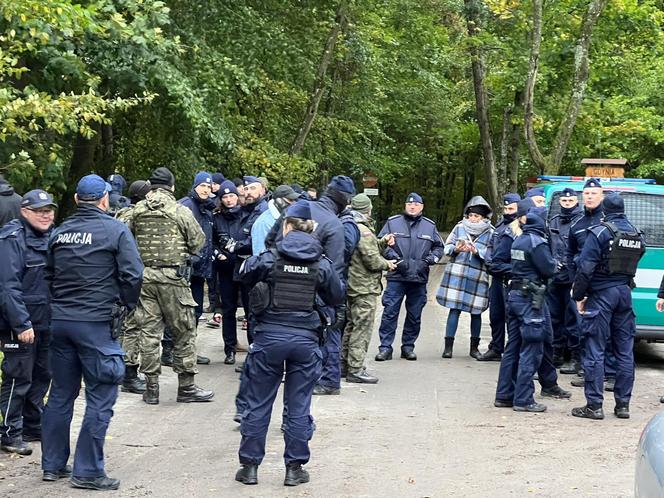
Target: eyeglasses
{"points": [[43, 211]]}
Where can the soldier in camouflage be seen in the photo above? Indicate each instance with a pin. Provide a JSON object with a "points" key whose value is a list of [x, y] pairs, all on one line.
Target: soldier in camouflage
{"points": [[167, 236], [364, 286]]}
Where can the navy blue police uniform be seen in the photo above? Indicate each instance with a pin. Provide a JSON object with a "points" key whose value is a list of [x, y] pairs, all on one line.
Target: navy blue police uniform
{"points": [[604, 275], [227, 226], [528, 348], [336, 238], [498, 263], [25, 306], [93, 264], [287, 340], [417, 246], [565, 319]]}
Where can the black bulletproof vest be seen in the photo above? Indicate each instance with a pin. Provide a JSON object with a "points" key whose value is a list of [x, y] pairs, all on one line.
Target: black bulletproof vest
{"points": [[625, 251], [294, 285]]}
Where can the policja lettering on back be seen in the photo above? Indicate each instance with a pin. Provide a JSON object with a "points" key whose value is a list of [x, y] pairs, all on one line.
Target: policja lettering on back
{"points": [[74, 238]]}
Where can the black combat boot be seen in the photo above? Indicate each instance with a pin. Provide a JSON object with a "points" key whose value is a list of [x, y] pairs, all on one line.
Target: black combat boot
{"points": [[151, 394], [588, 411], [490, 355], [188, 392], [295, 475], [449, 345], [54, 475], [248, 474], [383, 355], [621, 410], [132, 383], [571, 367], [166, 355], [103, 483], [16, 445], [474, 352]]}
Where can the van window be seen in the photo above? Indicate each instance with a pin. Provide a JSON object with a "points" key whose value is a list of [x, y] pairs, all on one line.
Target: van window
{"points": [[645, 213]]}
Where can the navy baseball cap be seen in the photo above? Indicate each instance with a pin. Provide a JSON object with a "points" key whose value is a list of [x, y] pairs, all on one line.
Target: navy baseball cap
{"points": [[523, 206], [613, 204], [535, 192], [36, 199], [568, 192], [592, 183], [510, 198], [250, 179], [227, 187], [92, 188], [299, 209], [415, 197]]}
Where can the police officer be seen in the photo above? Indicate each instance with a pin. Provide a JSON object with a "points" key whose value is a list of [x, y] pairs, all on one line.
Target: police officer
{"points": [[227, 226], [117, 199], [333, 236], [95, 269], [602, 290], [537, 196], [528, 320], [498, 262], [564, 317], [198, 201], [24, 322], [167, 236], [288, 281], [415, 244]]}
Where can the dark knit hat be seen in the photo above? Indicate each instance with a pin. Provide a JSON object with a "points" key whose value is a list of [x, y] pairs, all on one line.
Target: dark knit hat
{"points": [[523, 206], [613, 204], [162, 176], [342, 184], [299, 209], [361, 203]]}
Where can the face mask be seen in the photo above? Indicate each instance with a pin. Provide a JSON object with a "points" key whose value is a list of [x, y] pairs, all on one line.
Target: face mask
{"points": [[509, 218]]}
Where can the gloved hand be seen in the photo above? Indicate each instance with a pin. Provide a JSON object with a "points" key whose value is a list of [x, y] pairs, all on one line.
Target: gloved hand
{"points": [[230, 246]]}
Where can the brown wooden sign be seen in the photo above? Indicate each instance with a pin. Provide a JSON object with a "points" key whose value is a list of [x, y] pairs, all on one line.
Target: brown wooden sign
{"points": [[369, 180], [605, 172]]}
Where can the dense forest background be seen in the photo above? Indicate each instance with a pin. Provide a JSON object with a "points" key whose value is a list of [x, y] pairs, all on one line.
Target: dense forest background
{"points": [[446, 97]]}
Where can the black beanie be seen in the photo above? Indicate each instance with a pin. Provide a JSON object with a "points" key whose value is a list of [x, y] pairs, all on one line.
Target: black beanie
{"points": [[162, 176]]}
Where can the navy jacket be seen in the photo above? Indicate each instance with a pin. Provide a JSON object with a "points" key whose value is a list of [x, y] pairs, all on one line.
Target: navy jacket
{"points": [[531, 254], [227, 224], [93, 263], [24, 295], [10, 203], [498, 258], [202, 265], [351, 237], [418, 245], [592, 273], [298, 246], [578, 232], [330, 231], [559, 230], [251, 212]]}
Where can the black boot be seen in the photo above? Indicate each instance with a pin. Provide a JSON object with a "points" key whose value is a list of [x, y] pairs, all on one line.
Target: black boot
{"points": [[295, 475], [151, 394], [558, 357], [16, 445], [571, 367], [131, 382], [103, 483], [188, 392], [474, 352], [248, 474], [449, 344], [167, 355]]}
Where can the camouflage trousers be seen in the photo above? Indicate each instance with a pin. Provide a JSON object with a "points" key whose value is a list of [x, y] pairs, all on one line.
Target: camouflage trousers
{"points": [[131, 333], [173, 306], [360, 315]]}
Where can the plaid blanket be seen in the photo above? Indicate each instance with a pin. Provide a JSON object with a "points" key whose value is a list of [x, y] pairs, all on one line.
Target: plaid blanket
{"points": [[465, 282]]}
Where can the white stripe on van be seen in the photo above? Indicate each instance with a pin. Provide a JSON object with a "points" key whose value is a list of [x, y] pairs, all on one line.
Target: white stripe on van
{"points": [[648, 278]]}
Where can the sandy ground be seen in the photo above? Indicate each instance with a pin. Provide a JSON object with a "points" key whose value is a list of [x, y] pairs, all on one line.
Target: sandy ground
{"points": [[427, 429]]}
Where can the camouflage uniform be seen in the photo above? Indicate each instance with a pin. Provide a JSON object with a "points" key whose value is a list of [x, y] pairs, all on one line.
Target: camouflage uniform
{"points": [[166, 235], [364, 286]]}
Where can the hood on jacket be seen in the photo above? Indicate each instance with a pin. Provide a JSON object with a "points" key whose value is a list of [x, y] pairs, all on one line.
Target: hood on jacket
{"points": [[158, 198], [534, 223], [478, 201], [5, 188], [118, 183], [300, 246]]}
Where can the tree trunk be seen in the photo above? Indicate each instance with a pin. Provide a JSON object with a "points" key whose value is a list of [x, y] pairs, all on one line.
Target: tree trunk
{"points": [[105, 165], [319, 82], [472, 13], [82, 163], [552, 162], [509, 147]]}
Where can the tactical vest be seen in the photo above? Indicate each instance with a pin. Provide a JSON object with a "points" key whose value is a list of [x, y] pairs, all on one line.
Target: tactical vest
{"points": [[625, 251], [294, 285], [159, 239]]}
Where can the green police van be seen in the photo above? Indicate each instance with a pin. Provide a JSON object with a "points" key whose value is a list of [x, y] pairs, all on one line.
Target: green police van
{"points": [[644, 206]]}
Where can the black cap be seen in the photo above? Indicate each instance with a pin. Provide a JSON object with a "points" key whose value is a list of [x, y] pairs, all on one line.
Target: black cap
{"points": [[162, 176]]}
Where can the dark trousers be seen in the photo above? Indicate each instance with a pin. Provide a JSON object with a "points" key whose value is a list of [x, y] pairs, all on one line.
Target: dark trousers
{"points": [[331, 371], [609, 320], [416, 297], [522, 359], [213, 288], [565, 319], [80, 350], [25, 381], [229, 293], [269, 356], [497, 314]]}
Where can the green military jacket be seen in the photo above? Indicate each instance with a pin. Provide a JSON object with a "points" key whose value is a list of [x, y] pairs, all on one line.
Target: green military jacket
{"points": [[365, 275], [166, 234]]}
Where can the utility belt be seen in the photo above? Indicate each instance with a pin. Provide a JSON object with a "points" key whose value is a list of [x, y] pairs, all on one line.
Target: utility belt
{"points": [[183, 270], [535, 290]]}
